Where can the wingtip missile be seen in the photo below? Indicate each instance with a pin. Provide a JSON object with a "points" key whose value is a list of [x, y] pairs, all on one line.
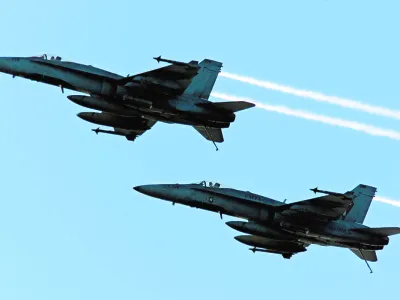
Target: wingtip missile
{"points": [[158, 58], [347, 196], [192, 64]]}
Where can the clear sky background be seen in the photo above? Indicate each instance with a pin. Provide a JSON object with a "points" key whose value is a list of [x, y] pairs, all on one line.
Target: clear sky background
{"points": [[71, 227]]}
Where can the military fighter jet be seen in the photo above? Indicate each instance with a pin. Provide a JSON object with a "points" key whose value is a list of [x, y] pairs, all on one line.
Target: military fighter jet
{"points": [[177, 93], [334, 219]]}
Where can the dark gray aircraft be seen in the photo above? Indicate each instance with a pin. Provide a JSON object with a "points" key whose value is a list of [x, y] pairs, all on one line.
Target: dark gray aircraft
{"points": [[335, 219], [177, 93]]}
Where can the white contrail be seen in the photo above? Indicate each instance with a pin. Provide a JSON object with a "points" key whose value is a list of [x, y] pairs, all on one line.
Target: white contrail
{"points": [[388, 201], [348, 103], [371, 130]]}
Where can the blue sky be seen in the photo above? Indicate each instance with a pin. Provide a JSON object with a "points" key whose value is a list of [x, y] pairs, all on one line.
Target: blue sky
{"points": [[71, 227]]}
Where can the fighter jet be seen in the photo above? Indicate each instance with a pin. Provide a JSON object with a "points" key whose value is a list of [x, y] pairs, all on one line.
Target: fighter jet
{"points": [[177, 93], [335, 219]]}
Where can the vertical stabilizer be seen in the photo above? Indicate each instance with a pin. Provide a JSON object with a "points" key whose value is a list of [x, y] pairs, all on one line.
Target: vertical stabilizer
{"points": [[203, 83], [363, 195]]}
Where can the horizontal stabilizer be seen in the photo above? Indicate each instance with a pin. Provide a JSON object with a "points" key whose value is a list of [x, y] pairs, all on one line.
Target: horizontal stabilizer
{"points": [[211, 134], [382, 231], [368, 255], [233, 106]]}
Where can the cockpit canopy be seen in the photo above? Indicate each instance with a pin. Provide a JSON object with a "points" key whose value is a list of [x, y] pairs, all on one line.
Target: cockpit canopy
{"points": [[49, 57], [210, 184]]}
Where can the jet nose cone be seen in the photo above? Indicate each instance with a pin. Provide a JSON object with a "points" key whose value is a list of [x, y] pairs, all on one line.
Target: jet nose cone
{"points": [[138, 188], [149, 189], [160, 191]]}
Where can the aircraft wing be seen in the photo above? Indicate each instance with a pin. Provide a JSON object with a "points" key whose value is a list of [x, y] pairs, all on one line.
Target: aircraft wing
{"points": [[329, 207], [211, 134], [131, 134], [172, 72], [176, 77]]}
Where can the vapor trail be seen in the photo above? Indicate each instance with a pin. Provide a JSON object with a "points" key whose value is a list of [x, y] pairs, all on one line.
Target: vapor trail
{"points": [[348, 103], [371, 130], [388, 201]]}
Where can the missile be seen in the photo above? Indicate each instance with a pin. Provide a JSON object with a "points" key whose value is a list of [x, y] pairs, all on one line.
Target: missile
{"points": [[98, 130], [346, 196], [107, 119], [260, 230], [192, 64], [269, 244], [285, 255], [103, 105], [130, 137]]}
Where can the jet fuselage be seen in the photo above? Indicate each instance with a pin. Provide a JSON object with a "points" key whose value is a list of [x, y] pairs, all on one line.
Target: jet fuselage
{"points": [[165, 107], [265, 213]]}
